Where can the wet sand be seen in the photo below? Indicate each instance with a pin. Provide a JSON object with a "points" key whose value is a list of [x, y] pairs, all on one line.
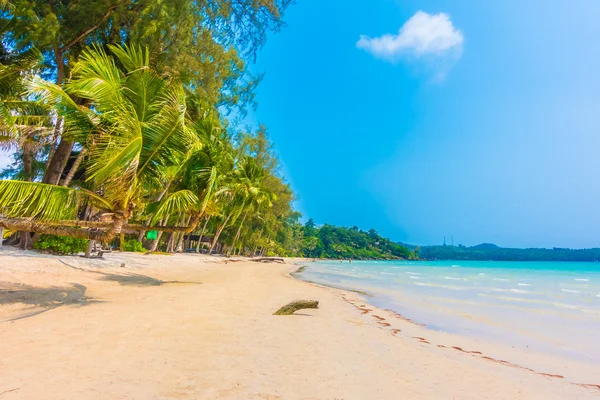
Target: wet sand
{"points": [[195, 327]]}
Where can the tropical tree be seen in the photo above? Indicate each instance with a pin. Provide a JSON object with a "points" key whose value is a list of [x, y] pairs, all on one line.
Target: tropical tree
{"points": [[133, 125], [204, 43], [249, 186]]}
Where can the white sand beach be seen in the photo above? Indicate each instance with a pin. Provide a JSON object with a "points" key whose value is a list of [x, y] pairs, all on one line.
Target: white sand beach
{"points": [[198, 327]]}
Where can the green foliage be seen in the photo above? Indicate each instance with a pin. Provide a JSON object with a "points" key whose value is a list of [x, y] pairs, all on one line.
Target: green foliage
{"points": [[133, 245], [336, 242], [489, 252], [41, 201], [141, 86], [60, 244], [203, 42]]}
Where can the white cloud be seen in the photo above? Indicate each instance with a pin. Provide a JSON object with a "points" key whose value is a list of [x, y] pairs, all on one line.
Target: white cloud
{"points": [[422, 35]]}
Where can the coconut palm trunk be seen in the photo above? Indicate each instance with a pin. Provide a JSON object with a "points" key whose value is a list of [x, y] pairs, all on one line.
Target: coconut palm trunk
{"points": [[170, 242], [159, 198], [237, 235], [58, 163], [218, 233], [155, 242], [74, 167], [201, 235], [182, 235], [24, 236]]}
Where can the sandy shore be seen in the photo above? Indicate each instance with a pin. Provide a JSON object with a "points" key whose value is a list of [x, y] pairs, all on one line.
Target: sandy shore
{"points": [[193, 327]]}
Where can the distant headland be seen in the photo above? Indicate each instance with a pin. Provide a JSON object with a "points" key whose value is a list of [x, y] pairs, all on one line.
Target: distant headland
{"points": [[492, 252]]}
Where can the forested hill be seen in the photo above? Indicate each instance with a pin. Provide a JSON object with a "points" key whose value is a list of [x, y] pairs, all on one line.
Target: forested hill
{"points": [[490, 252], [337, 242]]}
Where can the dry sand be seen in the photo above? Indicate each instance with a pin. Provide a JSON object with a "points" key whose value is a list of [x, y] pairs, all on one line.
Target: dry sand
{"points": [[193, 327]]}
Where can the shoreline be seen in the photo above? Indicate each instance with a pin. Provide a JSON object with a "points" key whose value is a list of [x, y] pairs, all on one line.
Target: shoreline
{"points": [[197, 327], [519, 360]]}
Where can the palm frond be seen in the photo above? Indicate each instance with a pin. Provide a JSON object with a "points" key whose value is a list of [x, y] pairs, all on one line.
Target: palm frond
{"points": [[168, 136], [38, 200], [98, 78], [174, 203], [78, 121]]}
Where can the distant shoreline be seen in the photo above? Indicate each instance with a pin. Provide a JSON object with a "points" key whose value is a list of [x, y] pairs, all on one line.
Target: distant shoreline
{"points": [[491, 252]]}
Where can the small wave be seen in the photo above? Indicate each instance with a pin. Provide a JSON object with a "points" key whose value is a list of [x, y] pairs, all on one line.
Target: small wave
{"points": [[452, 278], [481, 274], [570, 291], [414, 277], [412, 273], [386, 273], [514, 299], [438, 286], [582, 280], [523, 284], [565, 306], [501, 279], [509, 290], [456, 266], [519, 291]]}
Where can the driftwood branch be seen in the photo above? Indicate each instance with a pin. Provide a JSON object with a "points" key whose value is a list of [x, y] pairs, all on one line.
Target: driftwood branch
{"points": [[269, 259], [294, 306]]}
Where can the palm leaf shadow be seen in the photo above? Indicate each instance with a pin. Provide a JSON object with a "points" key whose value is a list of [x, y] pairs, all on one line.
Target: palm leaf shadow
{"points": [[43, 298], [130, 279], [136, 279]]}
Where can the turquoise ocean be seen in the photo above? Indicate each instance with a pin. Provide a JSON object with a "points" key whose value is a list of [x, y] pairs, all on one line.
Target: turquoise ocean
{"points": [[551, 307]]}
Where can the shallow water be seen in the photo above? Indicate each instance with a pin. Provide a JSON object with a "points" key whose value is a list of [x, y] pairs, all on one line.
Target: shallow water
{"points": [[551, 307]]}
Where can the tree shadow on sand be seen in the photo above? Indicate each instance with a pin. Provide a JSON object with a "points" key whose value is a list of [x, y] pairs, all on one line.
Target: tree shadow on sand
{"points": [[137, 280], [130, 279], [42, 299]]}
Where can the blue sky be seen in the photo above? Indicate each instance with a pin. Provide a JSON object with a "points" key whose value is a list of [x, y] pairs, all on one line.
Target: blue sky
{"points": [[479, 120]]}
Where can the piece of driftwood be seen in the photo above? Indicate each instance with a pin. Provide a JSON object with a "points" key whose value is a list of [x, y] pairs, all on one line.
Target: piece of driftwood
{"points": [[269, 259], [294, 306]]}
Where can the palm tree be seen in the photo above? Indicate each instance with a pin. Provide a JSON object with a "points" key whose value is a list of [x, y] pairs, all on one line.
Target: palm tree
{"points": [[250, 187], [133, 126], [25, 125]]}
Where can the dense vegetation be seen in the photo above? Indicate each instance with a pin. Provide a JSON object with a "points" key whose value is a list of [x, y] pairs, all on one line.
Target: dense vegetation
{"points": [[120, 116], [352, 243], [60, 244], [490, 252]]}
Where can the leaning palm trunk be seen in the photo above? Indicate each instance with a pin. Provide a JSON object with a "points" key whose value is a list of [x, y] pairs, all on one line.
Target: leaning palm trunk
{"points": [[27, 225], [155, 242], [74, 167], [171, 243], [24, 236], [193, 224], [159, 198], [57, 133], [179, 246], [218, 233], [237, 235], [141, 235], [169, 229], [201, 235], [58, 162]]}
